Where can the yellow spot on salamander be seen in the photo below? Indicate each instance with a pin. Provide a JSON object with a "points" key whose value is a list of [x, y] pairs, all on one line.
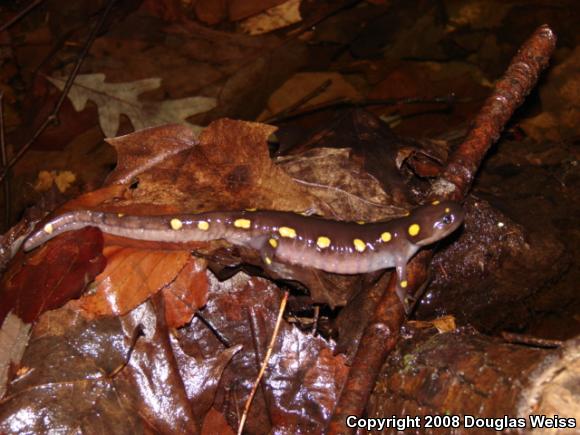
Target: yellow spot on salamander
{"points": [[386, 237], [203, 225], [414, 229], [242, 223], [436, 202], [273, 243], [176, 224], [287, 232], [448, 210], [359, 245], [48, 228], [404, 284], [251, 209], [323, 242], [267, 260], [361, 222]]}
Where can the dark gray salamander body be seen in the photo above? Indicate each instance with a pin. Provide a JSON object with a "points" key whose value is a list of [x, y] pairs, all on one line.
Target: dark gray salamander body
{"points": [[332, 246]]}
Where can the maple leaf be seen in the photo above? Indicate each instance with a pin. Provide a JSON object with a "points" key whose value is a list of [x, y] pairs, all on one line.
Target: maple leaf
{"points": [[113, 99]]}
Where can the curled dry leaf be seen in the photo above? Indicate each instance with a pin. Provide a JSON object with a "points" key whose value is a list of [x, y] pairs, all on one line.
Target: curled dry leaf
{"points": [[333, 176], [442, 324]]}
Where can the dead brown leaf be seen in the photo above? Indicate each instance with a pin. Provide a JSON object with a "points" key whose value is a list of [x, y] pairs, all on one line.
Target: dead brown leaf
{"points": [[66, 382], [229, 169], [303, 376]]}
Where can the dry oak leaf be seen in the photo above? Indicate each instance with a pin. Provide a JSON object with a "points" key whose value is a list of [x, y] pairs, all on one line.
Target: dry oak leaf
{"points": [[114, 99]]}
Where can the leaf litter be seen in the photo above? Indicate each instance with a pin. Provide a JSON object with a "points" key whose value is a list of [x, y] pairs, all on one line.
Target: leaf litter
{"points": [[163, 180]]}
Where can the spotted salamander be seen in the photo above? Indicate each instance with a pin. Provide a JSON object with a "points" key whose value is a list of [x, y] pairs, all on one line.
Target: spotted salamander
{"points": [[332, 246]]}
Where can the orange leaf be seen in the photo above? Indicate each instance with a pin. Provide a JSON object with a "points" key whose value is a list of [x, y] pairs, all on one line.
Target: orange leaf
{"points": [[131, 277]]}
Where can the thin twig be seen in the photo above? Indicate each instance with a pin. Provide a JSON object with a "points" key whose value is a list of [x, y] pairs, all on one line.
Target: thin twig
{"points": [[254, 327], [21, 14], [315, 320], [4, 159], [137, 333], [264, 363], [53, 117], [287, 115], [223, 340], [529, 340]]}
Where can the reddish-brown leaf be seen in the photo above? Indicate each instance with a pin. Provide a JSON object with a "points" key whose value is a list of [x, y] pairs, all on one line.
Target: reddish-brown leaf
{"points": [[186, 294], [131, 277], [48, 277]]}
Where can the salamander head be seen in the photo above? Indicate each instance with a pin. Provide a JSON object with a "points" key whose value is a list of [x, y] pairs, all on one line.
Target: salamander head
{"points": [[433, 222]]}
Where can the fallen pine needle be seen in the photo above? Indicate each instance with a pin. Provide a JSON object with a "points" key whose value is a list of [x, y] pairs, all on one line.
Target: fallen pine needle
{"points": [[264, 364]]}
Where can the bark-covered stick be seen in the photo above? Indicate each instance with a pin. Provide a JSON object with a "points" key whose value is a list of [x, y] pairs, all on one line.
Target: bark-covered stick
{"points": [[508, 94]]}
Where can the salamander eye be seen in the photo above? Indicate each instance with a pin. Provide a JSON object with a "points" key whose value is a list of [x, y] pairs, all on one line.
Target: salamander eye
{"points": [[447, 219]]}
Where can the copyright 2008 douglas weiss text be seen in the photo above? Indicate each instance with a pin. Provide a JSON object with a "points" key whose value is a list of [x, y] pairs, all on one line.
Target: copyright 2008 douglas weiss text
{"points": [[466, 422]]}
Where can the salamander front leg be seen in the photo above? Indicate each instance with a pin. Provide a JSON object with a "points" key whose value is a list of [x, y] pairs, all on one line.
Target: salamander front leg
{"points": [[266, 246], [402, 284]]}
